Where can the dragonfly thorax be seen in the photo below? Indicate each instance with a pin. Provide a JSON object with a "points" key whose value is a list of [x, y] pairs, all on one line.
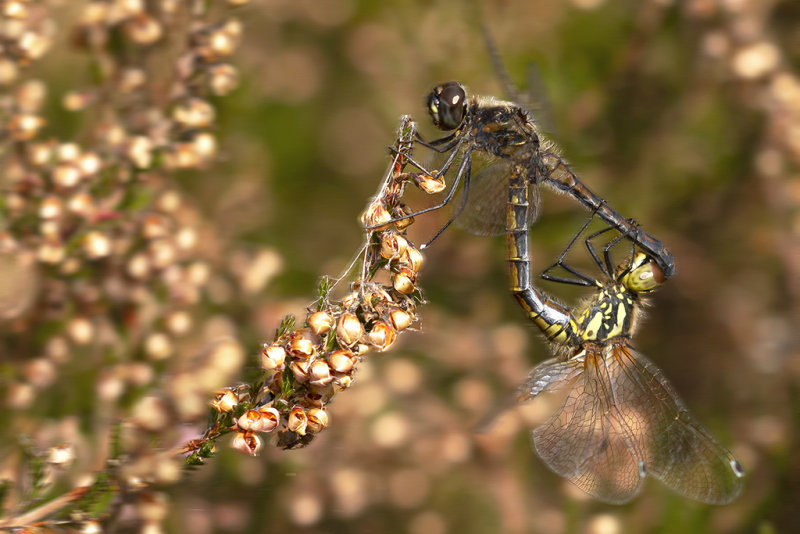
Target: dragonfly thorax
{"points": [[608, 314]]}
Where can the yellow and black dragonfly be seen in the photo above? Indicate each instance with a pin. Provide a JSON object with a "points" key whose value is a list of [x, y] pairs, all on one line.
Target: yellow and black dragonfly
{"points": [[621, 419]]}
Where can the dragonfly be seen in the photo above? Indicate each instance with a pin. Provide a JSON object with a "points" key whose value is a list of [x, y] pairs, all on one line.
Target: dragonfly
{"points": [[621, 419], [504, 133]]}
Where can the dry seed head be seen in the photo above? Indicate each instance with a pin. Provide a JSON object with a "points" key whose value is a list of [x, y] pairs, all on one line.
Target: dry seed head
{"points": [[96, 245], [205, 146], [317, 420], [223, 79], [224, 401], [154, 226], [404, 223], [270, 417], [400, 319], [250, 421], [81, 204], [381, 336], [300, 369], [298, 420], [272, 357], [403, 281], [51, 208], [24, 127], [158, 346], [246, 442], [138, 266], [376, 215], [140, 151], [144, 30], [66, 175], [51, 252], [178, 322], [89, 164], [320, 322], [349, 330], [15, 10], [319, 374], [194, 113], [393, 245], [343, 382], [413, 258], [301, 346], [342, 361], [429, 184], [61, 455]]}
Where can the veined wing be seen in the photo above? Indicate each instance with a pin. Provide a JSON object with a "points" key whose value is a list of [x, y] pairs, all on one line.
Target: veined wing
{"points": [[679, 451], [550, 375], [487, 201], [589, 441]]}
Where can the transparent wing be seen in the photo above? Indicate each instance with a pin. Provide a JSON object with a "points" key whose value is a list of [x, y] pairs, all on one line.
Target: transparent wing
{"points": [[549, 375], [487, 201], [679, 451], [589, 442]]}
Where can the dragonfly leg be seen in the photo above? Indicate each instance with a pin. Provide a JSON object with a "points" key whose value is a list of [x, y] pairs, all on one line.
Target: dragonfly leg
{"points": [[561, 177], [582, 279], [465, 169], [461, 169]]}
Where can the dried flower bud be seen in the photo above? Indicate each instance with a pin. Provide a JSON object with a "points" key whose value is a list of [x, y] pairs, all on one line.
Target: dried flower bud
{"points": [[402, 211], [80, 330], [320, 322], [194, 113], [392, 245], [349, 330], [66, 175], [272, 357], [224, 401], [413, 258], [400, 319], [298, 420], [24, 127], [376, 215], [270, 417], [144, 30], [381, 336], [319, 374], [51, 208], [342, 361], [317, 420], [300, 369], [343, 382], [139, 151], [301, 346], [250, 421], [96, 245], [429, 184], [403, 281], [61, 455], [246, 442], [51, 251], [158, 346], [223, 79]]}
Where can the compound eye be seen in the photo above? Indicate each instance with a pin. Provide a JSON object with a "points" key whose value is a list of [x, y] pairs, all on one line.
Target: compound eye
{"points": [[447, 105], [644, 276]]}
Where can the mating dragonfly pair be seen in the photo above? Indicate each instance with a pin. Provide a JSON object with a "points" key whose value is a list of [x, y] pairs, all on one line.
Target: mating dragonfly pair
{"points": [[621, 419]]}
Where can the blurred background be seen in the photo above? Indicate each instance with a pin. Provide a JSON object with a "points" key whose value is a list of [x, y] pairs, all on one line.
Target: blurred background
{"points": [[683, 115]]}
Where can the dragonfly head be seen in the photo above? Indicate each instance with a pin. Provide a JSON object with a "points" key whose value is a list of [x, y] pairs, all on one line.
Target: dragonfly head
{"points": [[447, 105], [642, 275]]}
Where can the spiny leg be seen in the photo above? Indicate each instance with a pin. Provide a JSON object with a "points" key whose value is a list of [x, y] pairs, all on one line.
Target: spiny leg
{"points": [[568, 182]]}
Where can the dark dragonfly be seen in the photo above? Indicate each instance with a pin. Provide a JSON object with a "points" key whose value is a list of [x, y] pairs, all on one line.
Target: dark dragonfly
{"points": [[504, 132], [621, 419]]}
